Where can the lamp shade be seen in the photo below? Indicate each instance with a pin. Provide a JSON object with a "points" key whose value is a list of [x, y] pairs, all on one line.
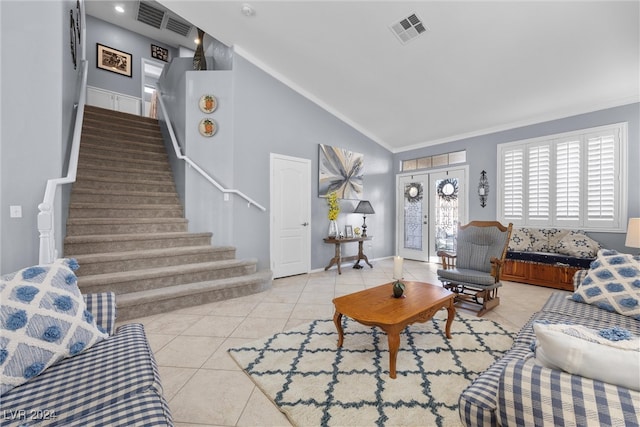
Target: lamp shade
{"points": [[364, 207], [633, 233]]}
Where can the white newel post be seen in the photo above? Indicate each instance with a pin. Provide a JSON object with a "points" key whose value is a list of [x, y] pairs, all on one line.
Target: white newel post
{"points": [[47, 237]]}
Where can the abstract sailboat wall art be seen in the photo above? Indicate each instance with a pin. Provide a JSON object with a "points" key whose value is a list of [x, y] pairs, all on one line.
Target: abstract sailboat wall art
{"points": [[341, 171]]}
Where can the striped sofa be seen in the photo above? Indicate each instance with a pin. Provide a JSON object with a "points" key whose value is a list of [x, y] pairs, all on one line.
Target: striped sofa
{"points": [[114, 383], [515, 391]]}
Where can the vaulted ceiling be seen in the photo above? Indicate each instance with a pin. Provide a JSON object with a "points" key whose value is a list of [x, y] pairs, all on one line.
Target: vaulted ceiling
{"points": [[478, 67]]}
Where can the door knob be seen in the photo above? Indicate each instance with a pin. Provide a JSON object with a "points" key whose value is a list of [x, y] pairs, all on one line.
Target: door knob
{"points": [[304, 224]]}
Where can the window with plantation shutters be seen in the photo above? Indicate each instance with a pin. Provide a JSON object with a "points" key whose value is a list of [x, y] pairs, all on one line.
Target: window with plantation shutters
{"points": [[572, 180]]}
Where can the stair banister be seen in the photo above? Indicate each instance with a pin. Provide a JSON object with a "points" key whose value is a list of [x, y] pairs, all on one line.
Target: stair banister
{"points": [[48, 252], [192, 164]]}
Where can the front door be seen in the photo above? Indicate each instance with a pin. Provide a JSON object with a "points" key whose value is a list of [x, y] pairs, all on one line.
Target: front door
{"points": [[413, 217], [290, 215], [430, 205], [447, 207]]}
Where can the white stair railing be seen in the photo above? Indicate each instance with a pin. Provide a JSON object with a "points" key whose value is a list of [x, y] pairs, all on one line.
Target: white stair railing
{"points": [[191, 163], [46, 223]]}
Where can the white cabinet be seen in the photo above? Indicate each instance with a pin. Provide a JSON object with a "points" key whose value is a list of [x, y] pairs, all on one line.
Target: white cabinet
{"points": [[113, 100]]}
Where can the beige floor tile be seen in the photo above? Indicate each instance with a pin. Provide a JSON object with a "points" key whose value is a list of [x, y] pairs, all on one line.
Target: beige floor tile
{"points": [[312, 311], [260, 411], [221, 359], [212, 397], [188, 352], [157, 341], [257, 327], [214, 326], [236, 307], [171, 323], [272, 310], [173, 379], [316, 297]]}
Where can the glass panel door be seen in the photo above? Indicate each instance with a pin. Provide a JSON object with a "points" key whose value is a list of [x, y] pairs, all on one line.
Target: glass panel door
{"points": [[447, 209], [413, 217]]}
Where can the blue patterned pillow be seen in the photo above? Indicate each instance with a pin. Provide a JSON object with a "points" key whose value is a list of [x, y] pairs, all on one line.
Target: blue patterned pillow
{"points": [[43, 319], [612, 283]]}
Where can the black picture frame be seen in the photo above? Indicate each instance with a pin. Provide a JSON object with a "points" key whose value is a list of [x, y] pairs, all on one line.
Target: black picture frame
{"points": [[160, 53], [114, 60]]}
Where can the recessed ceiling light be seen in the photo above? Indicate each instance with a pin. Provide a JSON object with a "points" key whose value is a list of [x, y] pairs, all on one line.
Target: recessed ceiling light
{"points": [[120, 9]]}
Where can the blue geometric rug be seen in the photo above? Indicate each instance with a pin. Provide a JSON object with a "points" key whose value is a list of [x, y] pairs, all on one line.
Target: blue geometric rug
{"points": [[315, 383]]}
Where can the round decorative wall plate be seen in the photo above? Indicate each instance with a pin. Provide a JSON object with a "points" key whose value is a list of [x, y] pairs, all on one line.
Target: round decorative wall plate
{"points": [[207, 127], [208, 103]]}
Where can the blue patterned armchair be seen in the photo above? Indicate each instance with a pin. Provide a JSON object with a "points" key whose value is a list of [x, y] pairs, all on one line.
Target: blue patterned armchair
{"points": [[473, 272]]}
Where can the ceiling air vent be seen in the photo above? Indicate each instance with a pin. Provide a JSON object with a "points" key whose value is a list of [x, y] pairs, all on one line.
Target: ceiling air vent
{"points": [[150, 15], [178, 27], [408, 28]]}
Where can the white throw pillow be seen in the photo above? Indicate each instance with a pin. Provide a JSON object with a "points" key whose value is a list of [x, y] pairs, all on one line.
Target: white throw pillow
{"points": [[609, 355], [43, 319]]}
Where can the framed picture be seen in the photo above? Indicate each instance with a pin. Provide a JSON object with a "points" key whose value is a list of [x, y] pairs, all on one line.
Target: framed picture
{"points": [[340, 170], [113, 60], [160, 53], [348, 231]]}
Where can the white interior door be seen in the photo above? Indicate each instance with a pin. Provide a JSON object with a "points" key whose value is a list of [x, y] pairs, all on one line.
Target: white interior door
{"points": [[290, 215], [413, 217]]}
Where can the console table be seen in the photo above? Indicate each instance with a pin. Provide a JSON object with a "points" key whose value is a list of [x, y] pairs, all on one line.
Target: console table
{"points": [[338, 259]]}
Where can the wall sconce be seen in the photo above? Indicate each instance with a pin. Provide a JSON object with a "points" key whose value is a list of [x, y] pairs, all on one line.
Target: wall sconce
{"points": [[483, 188]]}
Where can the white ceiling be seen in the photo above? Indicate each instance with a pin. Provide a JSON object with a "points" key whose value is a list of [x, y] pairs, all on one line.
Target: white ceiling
{"points": [[481, 66]]}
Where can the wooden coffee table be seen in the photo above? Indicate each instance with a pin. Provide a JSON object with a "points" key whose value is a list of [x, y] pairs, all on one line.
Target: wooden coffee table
{"points": [[377, 307]]}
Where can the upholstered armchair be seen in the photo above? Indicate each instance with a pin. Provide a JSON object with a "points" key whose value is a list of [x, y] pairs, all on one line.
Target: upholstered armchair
{"points": [[473, 272]]}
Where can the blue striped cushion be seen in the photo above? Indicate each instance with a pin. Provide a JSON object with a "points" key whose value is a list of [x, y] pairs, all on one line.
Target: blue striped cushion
{"points": [[530, 394], [104, 386]]}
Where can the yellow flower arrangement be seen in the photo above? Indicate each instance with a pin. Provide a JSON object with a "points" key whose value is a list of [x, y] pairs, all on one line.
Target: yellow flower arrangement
{"points": [[334, 206]]}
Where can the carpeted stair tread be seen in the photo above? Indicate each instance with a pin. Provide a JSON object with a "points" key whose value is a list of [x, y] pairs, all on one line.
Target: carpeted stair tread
{"points": [[90, 158], [127, 237], [145, 145], [107, 149], [149, 253], [113, 114], [90, 205], [145, 303], [119, 179], [124, 300], [85, 195], [153, 273], [104, 221]]}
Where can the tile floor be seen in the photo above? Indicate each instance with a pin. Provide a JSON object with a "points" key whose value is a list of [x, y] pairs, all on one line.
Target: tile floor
{"points": [[203, 384]]}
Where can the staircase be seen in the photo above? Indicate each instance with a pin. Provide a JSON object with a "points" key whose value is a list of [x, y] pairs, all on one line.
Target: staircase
{"points": [[127, 230]]}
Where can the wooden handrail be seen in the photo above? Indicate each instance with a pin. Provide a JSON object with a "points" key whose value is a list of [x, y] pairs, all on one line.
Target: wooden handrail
{"points": [[192, 164]]}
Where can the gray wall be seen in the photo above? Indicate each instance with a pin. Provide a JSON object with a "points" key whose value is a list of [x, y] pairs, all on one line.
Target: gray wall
{"points": [[482, 155], [138, 46], [35, 119], [272, 118]]}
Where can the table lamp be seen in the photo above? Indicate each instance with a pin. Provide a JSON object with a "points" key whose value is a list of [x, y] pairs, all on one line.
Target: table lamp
{"points": [[364, 208], [633, 233]]}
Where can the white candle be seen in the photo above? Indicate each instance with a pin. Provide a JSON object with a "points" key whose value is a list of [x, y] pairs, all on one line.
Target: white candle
{"points": [[397, 267]]}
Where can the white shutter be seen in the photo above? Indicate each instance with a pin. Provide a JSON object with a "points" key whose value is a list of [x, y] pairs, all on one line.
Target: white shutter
{"points": [[567, 206], [512, 185], [601, 189], [539, 181], [571, 180]]}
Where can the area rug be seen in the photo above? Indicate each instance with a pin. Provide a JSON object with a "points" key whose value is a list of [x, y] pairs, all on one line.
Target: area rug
{"points": [[314, 383]]}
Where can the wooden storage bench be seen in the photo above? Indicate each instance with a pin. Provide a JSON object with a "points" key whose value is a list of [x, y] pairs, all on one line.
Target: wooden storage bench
{"points": [[543, 269]]}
